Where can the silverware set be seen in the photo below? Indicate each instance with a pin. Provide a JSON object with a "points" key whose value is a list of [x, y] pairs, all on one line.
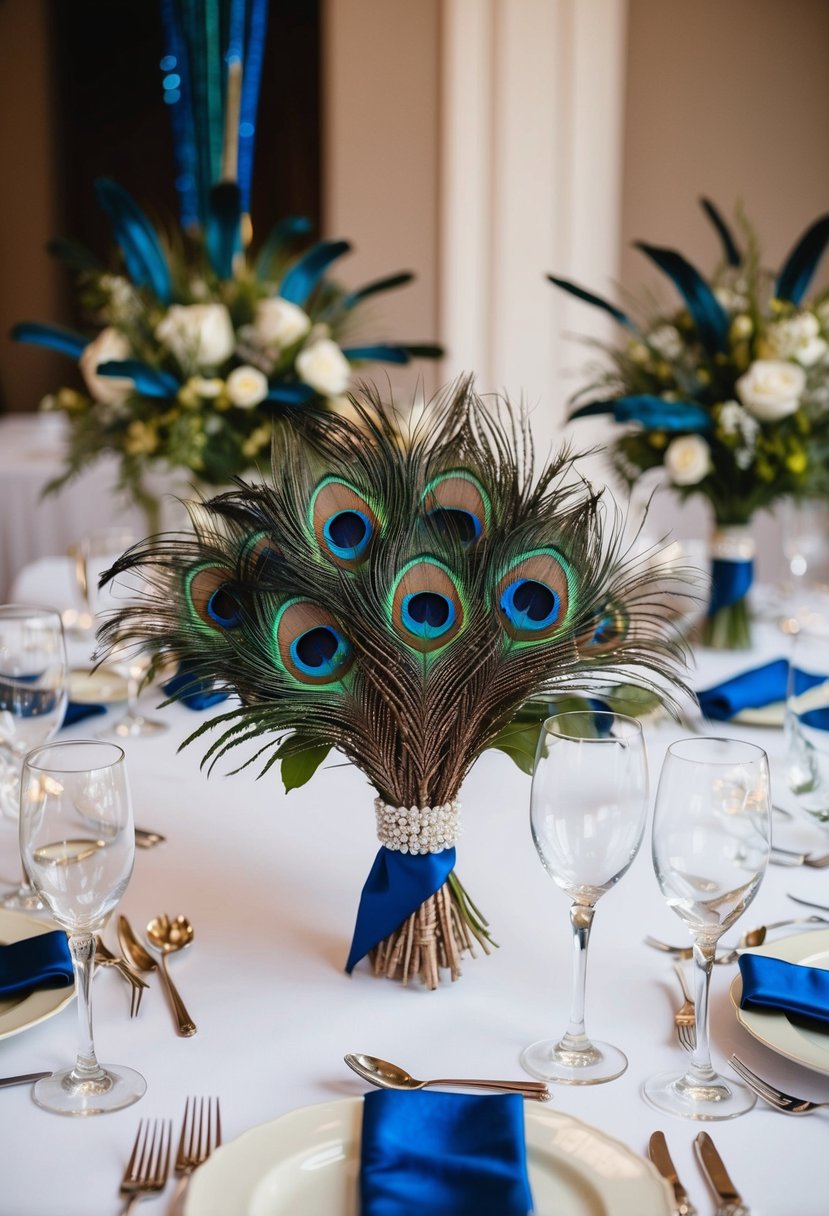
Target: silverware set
{"points": [[729, 1201], [166, 936], [148, 1168], [749, 940]]}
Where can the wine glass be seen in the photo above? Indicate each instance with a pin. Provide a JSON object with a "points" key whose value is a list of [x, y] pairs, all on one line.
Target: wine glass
{"points": [[711, 838], [81, 875], [32, 704], [588, 805]]}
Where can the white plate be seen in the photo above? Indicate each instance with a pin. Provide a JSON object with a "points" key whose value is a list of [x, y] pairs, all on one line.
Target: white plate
{"points": [[763, 715], [804, 1046], [308, 1162], [20, 1012], [100, 687]]}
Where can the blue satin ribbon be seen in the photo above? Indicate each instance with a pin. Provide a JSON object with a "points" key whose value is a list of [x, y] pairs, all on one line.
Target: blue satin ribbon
{"points": [[445, 1154], [761, 686], [397, 885], [730, 582], [35, 962], [771, 983]]}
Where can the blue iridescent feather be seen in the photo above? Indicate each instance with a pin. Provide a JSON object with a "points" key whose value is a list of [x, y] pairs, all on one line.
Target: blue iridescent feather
{"points": [[708, 314], [143, 254], [305, 274], [149, 381], [801, 264], [653, 413], [52, 337]]}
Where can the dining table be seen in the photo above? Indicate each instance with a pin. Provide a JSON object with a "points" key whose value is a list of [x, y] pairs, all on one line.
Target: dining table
{"points": [[271, 882]]}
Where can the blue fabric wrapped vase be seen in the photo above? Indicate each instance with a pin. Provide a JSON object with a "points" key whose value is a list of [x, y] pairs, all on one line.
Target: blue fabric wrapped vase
{"points": [[444, 1154]]}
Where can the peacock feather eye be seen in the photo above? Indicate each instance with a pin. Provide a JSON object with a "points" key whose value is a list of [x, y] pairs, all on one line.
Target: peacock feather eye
{"points": [[457, 506], [212, 596], [427, 609], [533, 596], [343, 521], [607, 632], [309, 643]]}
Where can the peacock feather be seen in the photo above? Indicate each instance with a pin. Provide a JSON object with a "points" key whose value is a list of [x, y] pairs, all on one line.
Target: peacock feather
{"points": [[398, 600]]}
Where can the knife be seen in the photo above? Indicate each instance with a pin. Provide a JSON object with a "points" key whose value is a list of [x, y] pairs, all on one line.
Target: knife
{"points": [[659, 1155], [728, 1197], [25, 1079]]}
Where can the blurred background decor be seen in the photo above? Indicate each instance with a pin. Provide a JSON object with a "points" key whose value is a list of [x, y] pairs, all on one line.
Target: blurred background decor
{"points": [[729, 395]]}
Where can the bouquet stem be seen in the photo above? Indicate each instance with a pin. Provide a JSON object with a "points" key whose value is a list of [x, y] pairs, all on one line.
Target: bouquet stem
{"points": [[728, 623], [434, 937], [729, 628]]}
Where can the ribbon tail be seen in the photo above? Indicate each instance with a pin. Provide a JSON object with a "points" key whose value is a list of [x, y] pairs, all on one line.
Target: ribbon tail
{"points": [[398, 883]]}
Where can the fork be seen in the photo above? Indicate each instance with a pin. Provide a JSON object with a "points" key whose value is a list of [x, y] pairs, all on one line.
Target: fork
{"points": [[789, 857], [201, 1132], [149, 1163], [105, 957], [685, 1018], [769, 1093]]}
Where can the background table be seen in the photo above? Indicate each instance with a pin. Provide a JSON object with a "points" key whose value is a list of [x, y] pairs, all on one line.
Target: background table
{"points": [[271, 883]]}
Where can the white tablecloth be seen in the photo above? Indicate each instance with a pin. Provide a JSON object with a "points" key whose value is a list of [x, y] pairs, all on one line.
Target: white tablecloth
{"points": [[271, 884]]}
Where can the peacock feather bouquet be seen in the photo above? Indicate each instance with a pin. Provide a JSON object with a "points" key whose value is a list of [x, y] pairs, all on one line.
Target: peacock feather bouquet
{"points": [[399, 601], [198, 344], [728, 394]]}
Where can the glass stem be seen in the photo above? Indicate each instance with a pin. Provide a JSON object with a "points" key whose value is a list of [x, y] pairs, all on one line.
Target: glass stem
{"points": [[701, 1068], [82, 949], [581, 920]]}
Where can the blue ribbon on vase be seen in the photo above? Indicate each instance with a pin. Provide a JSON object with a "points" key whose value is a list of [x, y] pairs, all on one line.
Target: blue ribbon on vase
{"points": [[731, 581], [398, 883], [443, 1154]]}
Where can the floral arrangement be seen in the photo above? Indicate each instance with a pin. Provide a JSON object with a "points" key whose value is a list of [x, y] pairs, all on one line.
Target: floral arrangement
{"points": [[729, 394], [400, 602], [199, 344]]}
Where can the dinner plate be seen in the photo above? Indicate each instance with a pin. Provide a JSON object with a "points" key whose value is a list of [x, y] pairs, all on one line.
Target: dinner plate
{"points": [[18, 1013], [308, 1161], [763, 715], [103, 686], [774, 1029]]}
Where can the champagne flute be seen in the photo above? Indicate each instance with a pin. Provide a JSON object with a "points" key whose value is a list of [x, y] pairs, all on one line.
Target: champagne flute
{"points": [[588, 804], [32, 704], [81, 875], [711, 839]]}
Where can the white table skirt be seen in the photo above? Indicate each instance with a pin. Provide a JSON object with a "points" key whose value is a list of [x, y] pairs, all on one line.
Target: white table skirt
{"points": [[271, 883]]}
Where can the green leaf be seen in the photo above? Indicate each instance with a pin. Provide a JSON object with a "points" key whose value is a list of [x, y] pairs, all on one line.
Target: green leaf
{"points": [[299, 767], [632, 700]]}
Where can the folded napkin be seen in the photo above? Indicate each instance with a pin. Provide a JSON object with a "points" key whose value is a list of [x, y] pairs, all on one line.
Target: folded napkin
{"points": [[749, 690], [444, 1154], [77, 711], [771, 983], [193, 690], [36, 962]]}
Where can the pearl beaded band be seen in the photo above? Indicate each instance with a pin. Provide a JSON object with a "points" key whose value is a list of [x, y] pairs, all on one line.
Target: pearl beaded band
{"points": [[412, 829]]}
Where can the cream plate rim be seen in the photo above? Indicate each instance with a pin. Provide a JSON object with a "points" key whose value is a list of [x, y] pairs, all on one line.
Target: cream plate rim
{"points": [[43, 1003], [229, 1176], [773, 1029]]}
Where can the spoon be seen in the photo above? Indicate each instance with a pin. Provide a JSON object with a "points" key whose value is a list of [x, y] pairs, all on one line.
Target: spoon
{"points": [[390, 1076], [166, 936]]}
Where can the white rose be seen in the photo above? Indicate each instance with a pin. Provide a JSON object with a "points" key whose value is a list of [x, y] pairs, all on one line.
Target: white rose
{"points": [[687, 459], [324, 366], [797, 338], [199, 335], [771, 389], [109, 345], [247, 386], [279, 323], [666, 341]]}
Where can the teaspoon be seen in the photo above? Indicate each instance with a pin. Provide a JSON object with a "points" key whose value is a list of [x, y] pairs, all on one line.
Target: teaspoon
{"points": [[390, 1076], [163, 933]]}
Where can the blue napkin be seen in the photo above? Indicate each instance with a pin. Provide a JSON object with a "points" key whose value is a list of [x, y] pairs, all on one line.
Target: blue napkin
{"points": [[193, 690], [771, 983], [77, 712], [445, 1154], [749, 690], [36, 962]]}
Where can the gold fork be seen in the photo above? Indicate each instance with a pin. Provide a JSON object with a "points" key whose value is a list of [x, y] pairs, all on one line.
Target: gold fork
{"points": [[105, 958], [149, 1162], [685, 1018], [201, 1132]]}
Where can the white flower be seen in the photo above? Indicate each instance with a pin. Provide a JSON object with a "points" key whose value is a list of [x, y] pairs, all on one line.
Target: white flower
{"points": [[324, 367], [279, 323], [734, 420], [206, 388], [123, 302], [771, 389], [247, 386], [741, 327], [199, 335], [797, 338], [109, 345], [687, 459], [732, 298], [666, 341]]}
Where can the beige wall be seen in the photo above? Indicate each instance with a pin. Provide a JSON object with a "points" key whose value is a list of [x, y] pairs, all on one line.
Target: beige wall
{"points": [[380, 160], [30, 281], [730, 100]]}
